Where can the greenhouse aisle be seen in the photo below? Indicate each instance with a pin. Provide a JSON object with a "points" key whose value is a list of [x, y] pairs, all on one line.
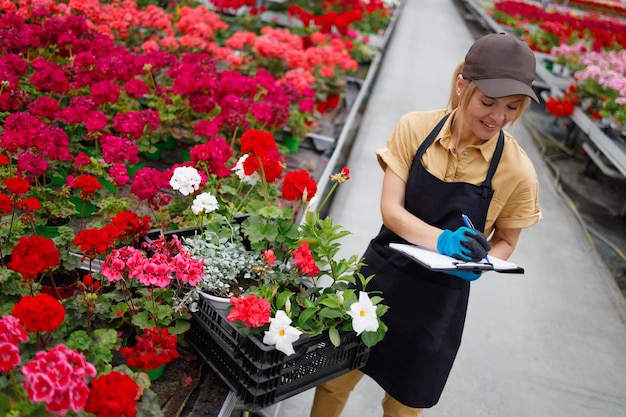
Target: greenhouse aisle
{"points": [[549, 343]]}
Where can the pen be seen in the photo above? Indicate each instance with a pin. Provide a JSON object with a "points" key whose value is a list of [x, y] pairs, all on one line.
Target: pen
{"points": [[469, 224]]}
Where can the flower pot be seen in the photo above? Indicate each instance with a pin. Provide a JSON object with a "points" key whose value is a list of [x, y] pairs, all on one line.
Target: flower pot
{"points": [[291, 143], [332, 102], [56, 176], [321, 106], [132, 169], [51, 228], [89, 207], [64, 284], [185, 155], [170, 143], [48, 231], [157, 153], [153, 374], [61, 292], [221, 304], [107, 185], [154, 155]]}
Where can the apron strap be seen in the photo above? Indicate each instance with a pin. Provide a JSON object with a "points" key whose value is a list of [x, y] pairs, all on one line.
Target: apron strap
{"points": [[495, 159], [431, 137]]}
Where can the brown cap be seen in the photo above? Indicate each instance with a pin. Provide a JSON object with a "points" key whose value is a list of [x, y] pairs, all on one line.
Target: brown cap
{"points": [[501, 65]]}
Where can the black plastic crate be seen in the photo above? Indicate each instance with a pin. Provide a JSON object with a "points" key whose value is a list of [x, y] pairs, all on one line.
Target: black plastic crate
{"points": [[155, 234], [261, 375]]}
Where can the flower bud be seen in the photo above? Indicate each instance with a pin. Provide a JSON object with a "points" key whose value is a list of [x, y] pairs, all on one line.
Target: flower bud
{"points": [[88, 280]]}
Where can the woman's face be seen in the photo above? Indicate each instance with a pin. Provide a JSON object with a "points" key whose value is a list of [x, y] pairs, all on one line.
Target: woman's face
{"points": [[485, 116]]}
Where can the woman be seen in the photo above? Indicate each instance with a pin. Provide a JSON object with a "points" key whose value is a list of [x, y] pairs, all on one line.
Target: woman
{"points": [[440, 165]]}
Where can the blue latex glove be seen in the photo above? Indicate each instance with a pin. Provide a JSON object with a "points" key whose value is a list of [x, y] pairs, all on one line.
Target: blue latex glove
{"points": [[464, 244], [465, 274]]}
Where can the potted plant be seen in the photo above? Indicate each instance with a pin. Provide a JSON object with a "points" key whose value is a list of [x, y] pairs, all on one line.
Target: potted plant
{"points": [[151, 351], [229, 266]]}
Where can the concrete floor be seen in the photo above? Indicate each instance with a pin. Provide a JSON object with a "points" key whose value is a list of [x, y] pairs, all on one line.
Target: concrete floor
{"points": [[550, 343]]}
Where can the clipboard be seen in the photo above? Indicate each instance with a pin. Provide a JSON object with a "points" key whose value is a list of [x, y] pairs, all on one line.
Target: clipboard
{"points": [[438, 262]]}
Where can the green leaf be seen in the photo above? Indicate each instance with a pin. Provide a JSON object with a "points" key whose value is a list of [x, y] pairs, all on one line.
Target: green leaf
{"points": [[371, 338], [180, 326], [329, 302], [281, 298], [306, 314], [79, 340], [330, 313], [106, 337], [333, 334], [142, 320], [270, 212]]}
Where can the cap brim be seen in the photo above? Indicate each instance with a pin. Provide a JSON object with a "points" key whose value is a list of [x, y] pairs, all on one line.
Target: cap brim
{"points": [[504, 87]]}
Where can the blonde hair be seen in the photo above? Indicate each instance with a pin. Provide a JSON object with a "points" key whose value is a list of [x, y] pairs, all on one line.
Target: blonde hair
{"points": [[461, 101]]}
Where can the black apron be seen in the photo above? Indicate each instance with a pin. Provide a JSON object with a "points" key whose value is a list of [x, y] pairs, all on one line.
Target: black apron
{"points": [[427, 309]]}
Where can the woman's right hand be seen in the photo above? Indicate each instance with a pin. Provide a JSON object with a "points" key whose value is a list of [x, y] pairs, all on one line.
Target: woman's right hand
{"points": [[464, 244]]}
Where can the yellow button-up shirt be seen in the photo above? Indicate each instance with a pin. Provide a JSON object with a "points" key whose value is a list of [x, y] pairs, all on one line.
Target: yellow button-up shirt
{"points": [[515, 203]]}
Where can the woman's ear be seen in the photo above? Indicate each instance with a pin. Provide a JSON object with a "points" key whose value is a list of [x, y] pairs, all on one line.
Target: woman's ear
{"points": [[459, 85]]}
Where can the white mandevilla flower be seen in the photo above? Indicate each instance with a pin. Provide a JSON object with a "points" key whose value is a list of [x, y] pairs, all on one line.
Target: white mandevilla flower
{"points": [[238, 170], [363, 315], [204, 203], [281, 333], [186, 180]]}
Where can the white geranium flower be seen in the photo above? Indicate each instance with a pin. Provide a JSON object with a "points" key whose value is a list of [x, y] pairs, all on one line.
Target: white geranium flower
{"points": [[238, 170], [281, 333], [363, 315], [186, 180], [204, 203]]}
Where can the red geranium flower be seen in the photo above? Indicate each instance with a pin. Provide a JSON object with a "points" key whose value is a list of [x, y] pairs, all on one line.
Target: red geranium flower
{"points": [[113, 395], [298, 185], [93, 242], [88, 185], [131, 225], [272, 168], [6, 204], [153, 348], [257, 142], [39, 313], [304, 260], [29, 204], [252, 310], [17, 185], [33, 255]]}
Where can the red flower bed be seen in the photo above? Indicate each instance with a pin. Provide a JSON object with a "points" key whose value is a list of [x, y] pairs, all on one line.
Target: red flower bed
{"points": [[605, 32]]}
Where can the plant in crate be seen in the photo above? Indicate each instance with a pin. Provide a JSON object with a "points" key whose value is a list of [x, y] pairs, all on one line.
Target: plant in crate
{"points": [[289, 262], [229, 266], [308, 290], [281, 336]]}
